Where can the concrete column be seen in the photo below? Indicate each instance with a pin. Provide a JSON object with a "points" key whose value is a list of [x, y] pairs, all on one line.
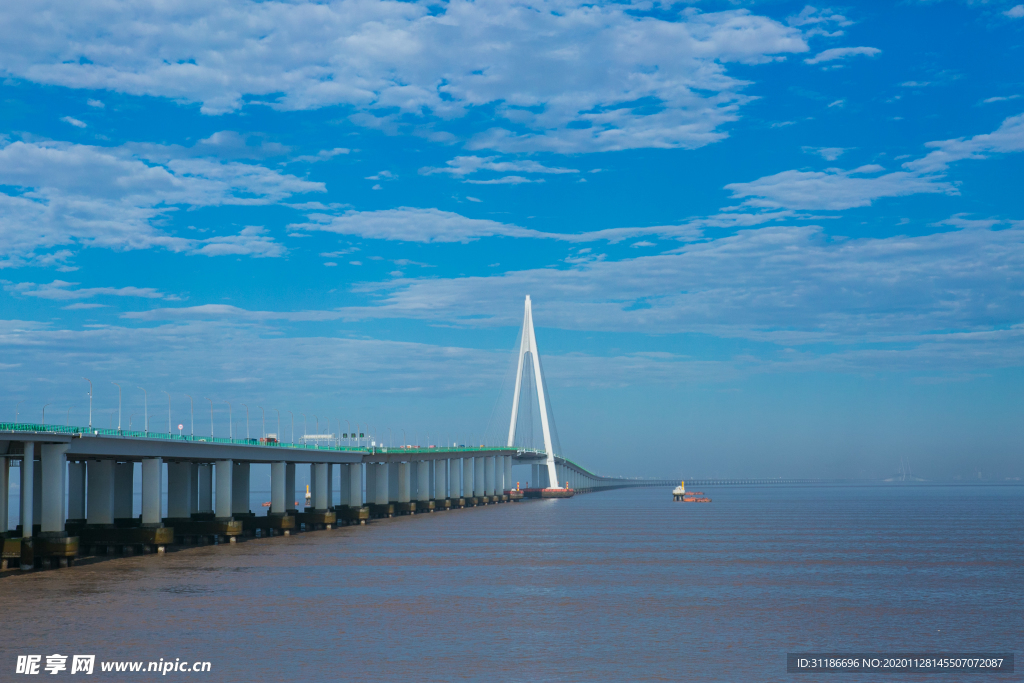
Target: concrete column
{"points": [[507, 466], [371, 482], [423, 474], [37, 487], [76, 491], [330, 485], [414, 480], [277, 487], [100, 506], [124, 490], [152, 488], [499, 475], [382, 486], [193, 487], [355, 482], [312, 484], [322, 495], [344, 485], [455, 478], [239, 488], [489, 475], [179, 490], [404, 482], [289, 486], [5, 492], [534, 476], [225, 477], [467, 477], [54, 477], [440, 480], [432, 465], [204, 473], [28, 489], [479, 475], [393, 482]]}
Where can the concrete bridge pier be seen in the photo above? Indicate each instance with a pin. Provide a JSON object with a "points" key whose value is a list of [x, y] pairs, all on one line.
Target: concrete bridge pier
{"points": [[356, 483], [124, 494], [27, 491], [99, 512], [403, 494], [489, 477], [423, 468], [152, 488], [5, 490], [479, 477], [239, 488], [289, 488], [76, 494], [455, 473], [468, 480], [225, 479], [344, 485], [179, 491], [508, 472], [205, 490], [440, 482]]}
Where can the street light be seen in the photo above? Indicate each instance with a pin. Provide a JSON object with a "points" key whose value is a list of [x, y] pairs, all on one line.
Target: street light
{"points": [[231, 428], [118, 405], [44, 414], [264, 418], [349, 432], [246, 421], [90, 400], [211, 416], [304, 430], [168, 411], [192, 414], [293, 425], [67, 421], [278, 424], [16, 410], [145, 406]]}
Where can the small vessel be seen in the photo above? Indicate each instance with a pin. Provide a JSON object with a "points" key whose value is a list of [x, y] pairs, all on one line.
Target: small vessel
{"points": [[679, 494]]}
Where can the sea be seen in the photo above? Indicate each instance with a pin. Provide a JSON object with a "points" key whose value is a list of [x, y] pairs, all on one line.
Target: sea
{"points": [[622, 585]]}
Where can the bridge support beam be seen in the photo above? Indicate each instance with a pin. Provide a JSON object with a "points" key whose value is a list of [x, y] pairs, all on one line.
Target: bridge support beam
{"points": [[239, 488], [344, 485], [124, 491], [423, 483], [467, 477], [179, 490], [404, 482], [507, 466], [440, 479], [322, 493], [355, 482], [393, 482], [289, 486], [54, 476], [27, 492], [152, 490], [100, 508], [205, 497], [5, 491], [490, 476], [225, 478], [382, 487], [76, 493], [479, 473], [278, 487]]}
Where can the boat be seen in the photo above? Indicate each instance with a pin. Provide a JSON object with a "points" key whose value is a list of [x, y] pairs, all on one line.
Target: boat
{"points": [[680, 495]]}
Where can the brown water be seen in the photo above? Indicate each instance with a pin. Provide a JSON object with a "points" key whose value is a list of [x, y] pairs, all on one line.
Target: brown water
{"points": [[616, 586]]}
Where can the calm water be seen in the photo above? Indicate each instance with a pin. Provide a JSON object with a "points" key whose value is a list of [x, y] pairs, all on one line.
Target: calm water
{"points": [[615, 586]]}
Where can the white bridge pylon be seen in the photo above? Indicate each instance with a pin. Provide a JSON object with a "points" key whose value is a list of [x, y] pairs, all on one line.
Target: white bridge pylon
{"points": [[528, 350]]}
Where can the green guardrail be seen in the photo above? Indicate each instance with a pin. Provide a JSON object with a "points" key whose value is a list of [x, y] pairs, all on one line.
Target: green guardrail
{"points": [[164, 436]]}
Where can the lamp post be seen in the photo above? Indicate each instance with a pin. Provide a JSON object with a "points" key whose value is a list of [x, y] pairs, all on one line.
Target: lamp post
{"points": [[231, 428], [293, 425], [16, 410], [67, 421], [316, 441], [44, 414], [90, 400], [278, 424], [145, 406], [304, 430], [264, 418], [211, 415], [118, 405], [246, 421], [192, 415], [168, 411], [349, 432]]}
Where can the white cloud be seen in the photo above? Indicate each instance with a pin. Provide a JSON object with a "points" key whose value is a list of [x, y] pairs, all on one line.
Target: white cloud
{"points": [[833, 189], [1015, 12], [322, 155], [409, 224], [114, 198], [827, 153], [506, 180], [382, 175], [96, 104], [1000, 99], [59, 290], [462, 166], [841, 53], [1009, 137], [562, 75], [74, 122]]}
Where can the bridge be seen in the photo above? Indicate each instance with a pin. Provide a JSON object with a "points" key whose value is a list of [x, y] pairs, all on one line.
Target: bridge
{"points": [[77, 483]]}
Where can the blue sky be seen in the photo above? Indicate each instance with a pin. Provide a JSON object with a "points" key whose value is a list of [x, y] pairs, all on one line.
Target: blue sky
{"points": [[761, 239]]}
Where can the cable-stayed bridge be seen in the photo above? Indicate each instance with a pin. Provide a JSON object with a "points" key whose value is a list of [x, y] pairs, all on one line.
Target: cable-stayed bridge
{"points": [[77, 483]]}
